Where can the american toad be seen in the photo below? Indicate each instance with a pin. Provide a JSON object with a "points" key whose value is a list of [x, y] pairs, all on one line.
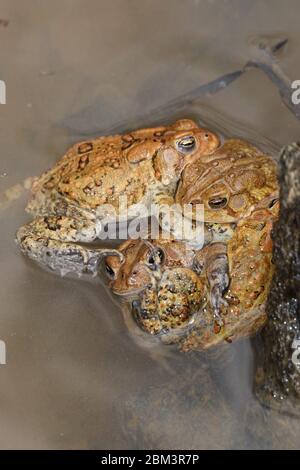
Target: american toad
{"points": [[236, 184], [69, 201], [231, 182], [168, 286], [173, 289], [250, 270]]}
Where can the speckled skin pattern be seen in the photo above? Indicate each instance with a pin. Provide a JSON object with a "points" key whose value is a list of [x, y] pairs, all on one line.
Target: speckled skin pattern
{"points": [[250, 271], [182, 294], [69, 201], [174, 290], [231, 182], [201, 297]]}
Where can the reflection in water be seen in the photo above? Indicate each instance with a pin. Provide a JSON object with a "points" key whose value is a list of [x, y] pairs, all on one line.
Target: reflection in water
{"points": [[14, 192]]}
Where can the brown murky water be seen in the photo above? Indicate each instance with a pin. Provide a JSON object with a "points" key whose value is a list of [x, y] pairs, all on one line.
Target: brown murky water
{"points": [[76, 376]]}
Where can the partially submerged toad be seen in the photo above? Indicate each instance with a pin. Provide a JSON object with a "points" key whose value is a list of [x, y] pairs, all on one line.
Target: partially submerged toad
{"points": [[70, 201], [166, 283], [217, 292], [174, 289], [231, 182], [178, 292]]}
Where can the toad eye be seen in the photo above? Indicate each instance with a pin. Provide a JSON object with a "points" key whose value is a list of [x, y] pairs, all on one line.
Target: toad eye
{"points": [[218, 202], [186, 144], [109, 271], [156, 257], [273, 202]]}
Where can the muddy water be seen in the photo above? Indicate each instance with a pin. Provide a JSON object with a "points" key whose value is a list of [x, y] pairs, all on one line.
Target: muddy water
{"points": [[77, 375]]}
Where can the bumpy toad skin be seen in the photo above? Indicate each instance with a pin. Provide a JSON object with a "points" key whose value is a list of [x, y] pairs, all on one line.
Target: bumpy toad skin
{"points": [[168, 285], [250, 271], [175, 290], [142, 262], [250, 260], [237, 184], [69, 201], [232, 182]]}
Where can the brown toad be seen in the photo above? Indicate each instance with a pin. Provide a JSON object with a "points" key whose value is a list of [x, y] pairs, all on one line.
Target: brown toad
{"points": [[250, 271], [166, 283], [70, 201], [234, 184], [174, 290], [231, 183]]}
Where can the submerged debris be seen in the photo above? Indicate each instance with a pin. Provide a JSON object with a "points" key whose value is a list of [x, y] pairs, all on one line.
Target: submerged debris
{"points": [[278, 379]]}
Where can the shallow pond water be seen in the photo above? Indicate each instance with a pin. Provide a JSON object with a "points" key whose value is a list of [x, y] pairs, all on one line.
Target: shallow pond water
{"points": [[77, 374]]}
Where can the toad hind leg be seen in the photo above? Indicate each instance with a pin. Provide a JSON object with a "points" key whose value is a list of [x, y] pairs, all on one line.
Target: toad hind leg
{"points": [[54, 242]]}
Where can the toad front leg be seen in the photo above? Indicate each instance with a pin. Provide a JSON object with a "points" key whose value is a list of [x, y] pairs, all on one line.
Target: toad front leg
{"points": [[55, 242]]}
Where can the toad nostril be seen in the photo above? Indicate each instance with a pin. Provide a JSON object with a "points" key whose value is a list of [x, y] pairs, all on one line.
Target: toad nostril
{"points": [[195, 202]]}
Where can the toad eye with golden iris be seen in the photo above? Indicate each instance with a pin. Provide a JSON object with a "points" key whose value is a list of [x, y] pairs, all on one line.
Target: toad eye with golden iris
{"points": [[186, 144]]}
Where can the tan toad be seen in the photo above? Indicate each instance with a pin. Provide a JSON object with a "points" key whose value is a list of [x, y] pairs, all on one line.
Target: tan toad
{"points": [[70, 200], [168, 286], [221, 293], [173, 290], [231, 182]]}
